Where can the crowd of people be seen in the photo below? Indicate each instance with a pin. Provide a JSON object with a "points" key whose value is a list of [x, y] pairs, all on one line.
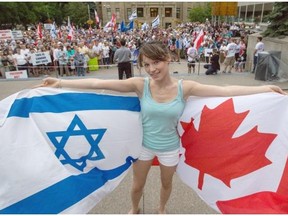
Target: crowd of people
{"points": [[90, 49]]}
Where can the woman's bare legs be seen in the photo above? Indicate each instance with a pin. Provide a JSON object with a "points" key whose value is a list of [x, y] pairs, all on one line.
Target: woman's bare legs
{"points": [[166, 188], [140, 172]]}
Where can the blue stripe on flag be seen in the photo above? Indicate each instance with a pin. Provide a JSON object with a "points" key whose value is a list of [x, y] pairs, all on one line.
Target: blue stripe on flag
{"points": [[66, 102], [67, 192]]}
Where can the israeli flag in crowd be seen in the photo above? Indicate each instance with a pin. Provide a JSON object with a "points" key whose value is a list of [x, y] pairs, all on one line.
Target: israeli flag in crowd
{"points": [[63, 151], [156, 22], [53, 31], [133, 16], [144, 26]]}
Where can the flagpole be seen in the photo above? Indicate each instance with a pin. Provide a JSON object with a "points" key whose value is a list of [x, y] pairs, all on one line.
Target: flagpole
{"points": [[88, 11]]}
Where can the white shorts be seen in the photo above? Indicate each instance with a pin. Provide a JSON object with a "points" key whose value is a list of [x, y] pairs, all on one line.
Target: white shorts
{"points": [[170, 158]]}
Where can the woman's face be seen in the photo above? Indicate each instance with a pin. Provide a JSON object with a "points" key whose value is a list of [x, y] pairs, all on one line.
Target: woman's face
{"points": [[155, 68]]}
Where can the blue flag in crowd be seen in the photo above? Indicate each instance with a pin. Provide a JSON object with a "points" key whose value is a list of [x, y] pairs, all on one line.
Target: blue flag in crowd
{"points": [[124, 28]]}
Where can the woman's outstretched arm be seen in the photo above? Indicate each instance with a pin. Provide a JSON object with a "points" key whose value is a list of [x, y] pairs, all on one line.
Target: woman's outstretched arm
{"points": [[128, 85]]}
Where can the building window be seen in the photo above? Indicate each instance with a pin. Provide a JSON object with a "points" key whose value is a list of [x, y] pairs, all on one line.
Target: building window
{"points": [[140, 12], [117, 10], [178, 13], [153, 12], [168, 12]]}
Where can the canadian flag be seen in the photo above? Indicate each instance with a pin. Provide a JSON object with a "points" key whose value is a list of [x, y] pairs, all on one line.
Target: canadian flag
{"points": [[59, 33], [71, 33], [113, 21], [96, 17], [235, 152], [39, 31], [70, 29], [199, 39]]}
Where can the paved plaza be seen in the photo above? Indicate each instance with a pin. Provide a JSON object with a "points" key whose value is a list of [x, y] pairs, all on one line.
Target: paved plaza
{"points": [[183, 199]]}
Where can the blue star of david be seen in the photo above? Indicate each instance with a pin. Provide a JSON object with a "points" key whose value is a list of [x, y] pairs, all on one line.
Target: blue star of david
{"points": [[77, 128]]}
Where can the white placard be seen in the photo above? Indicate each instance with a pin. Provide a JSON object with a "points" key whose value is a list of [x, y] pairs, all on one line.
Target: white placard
{"points": [[47, 26], [6, 35], [17, 35], [21, 74], [40, 58]]}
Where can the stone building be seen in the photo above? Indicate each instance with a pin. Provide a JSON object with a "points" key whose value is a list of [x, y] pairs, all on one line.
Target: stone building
{"points": [[170, 13]]}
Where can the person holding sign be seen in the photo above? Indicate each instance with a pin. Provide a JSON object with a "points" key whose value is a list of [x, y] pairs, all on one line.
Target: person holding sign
{"points": [[63, 60]]}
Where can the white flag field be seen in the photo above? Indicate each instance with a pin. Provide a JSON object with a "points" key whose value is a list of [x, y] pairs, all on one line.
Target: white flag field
{"points": [[63, 151]]}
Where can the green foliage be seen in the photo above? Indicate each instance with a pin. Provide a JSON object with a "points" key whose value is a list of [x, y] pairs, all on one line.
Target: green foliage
{"points": [[77, 17], [200, 13], [31, 13], [278, 18]]}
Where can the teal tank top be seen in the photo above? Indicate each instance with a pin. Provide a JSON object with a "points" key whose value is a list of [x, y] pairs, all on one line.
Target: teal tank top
{"points": [[160, 120]]}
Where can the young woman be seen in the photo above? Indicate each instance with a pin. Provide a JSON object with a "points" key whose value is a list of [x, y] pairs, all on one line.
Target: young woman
{"points": [[162, 102]]}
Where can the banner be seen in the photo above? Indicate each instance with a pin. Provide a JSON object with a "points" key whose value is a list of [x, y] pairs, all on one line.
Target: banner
{"points": [[6, 35], [235, 152], [17, 35], [48, 26], [63, 151], [20, 74]]}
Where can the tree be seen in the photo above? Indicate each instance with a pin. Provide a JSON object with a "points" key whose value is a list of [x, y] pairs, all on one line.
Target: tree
{"points": [[77, 11], [26, 13], [200, 13], [279, 21]]}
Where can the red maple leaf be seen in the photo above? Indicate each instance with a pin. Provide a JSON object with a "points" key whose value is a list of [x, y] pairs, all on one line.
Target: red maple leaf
{"points": [[213, 149]]}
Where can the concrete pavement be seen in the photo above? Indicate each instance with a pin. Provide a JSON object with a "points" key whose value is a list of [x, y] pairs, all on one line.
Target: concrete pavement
{"points": [[183, 200]]}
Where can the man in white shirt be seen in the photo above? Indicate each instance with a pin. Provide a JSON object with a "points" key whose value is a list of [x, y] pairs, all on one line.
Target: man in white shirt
{"points": [[21, 60], [259, 47], [192, 55], [230, 55]]}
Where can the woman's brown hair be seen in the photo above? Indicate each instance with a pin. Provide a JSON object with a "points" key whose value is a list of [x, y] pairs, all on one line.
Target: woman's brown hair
{"points": [[154, 50]]}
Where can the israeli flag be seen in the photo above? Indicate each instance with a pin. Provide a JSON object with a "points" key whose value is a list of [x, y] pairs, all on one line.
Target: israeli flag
{"points": [[144, 27], [133, 16], [53, 31], [156, 22], [63, 151]]}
